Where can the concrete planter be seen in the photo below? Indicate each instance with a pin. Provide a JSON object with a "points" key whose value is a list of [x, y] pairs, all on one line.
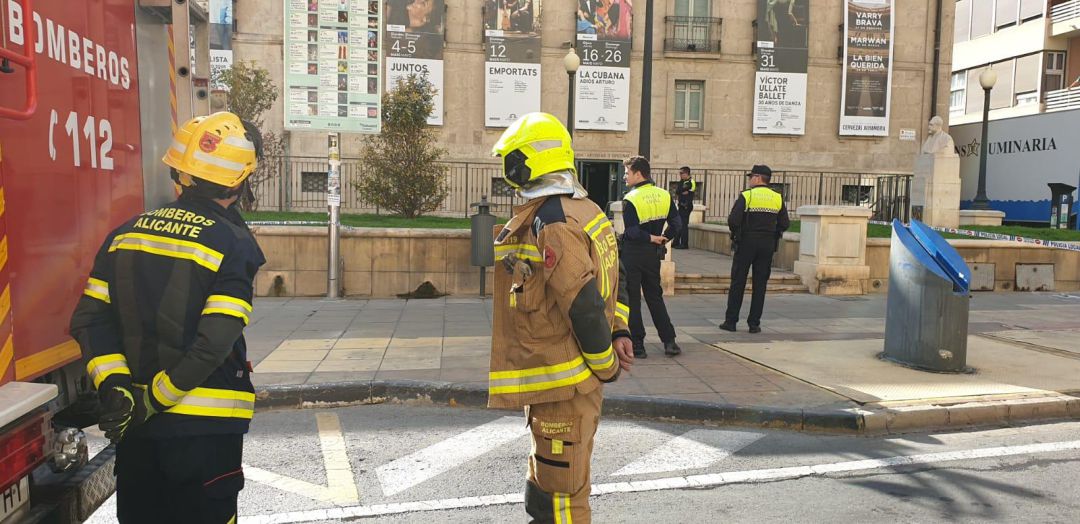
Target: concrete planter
{"points": [[376, 262], [996, 265]]}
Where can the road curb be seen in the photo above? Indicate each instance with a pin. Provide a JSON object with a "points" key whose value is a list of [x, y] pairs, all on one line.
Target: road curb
{"points": [[471, 395], [868, 421]]}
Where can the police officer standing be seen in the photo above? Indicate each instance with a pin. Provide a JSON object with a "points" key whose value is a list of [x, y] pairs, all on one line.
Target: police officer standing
{"points": [[757, 221], [559, 316], [160, 325], [646, 208], [686, 191]]}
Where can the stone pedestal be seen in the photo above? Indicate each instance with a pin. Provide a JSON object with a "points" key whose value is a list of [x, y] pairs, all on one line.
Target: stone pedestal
{"points": [[935, 189], [616, 216], [697, 216], [981, 217], [667, 266], [832, 250]]}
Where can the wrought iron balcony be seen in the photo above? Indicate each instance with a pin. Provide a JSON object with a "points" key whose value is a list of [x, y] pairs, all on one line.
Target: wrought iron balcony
{"points": [[692, 34]]}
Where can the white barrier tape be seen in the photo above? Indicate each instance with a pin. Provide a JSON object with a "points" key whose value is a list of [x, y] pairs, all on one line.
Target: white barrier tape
{"points": [[1055, 244], [286, 223], [298, 223]]}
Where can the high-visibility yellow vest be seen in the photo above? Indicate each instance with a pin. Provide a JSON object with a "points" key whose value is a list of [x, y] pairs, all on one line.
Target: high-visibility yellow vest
{"points": [[650, 202], [761, 199]]}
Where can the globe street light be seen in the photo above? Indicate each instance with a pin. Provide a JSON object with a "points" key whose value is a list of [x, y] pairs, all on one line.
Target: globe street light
{"points": [[987, 80], [571, 62]]}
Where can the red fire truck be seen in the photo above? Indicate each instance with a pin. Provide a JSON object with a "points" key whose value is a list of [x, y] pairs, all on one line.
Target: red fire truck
{"points": [[89, 92]]}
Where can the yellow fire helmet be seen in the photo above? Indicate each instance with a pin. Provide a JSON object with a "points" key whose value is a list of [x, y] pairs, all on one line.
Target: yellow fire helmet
{"points": [[213, 148], [533, 146]]}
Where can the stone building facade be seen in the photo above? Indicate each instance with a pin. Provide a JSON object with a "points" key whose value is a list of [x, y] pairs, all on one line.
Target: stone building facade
{"points": [[725, 140]]}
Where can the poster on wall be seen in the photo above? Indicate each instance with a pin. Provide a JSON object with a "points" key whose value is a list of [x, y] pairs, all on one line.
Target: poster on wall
{"points": [[866, 91], [603, 81], [414, 46], [221, 55], [332, 73], [782, 56], [512, 63]]}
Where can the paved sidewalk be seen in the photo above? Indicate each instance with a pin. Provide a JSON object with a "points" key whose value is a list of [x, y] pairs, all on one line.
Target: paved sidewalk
{"points": [[313, 341], [309, 341], [701, 262]]}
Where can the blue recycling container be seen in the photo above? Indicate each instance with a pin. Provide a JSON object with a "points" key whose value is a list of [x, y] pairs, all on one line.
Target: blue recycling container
{"points": [[926, 318]]}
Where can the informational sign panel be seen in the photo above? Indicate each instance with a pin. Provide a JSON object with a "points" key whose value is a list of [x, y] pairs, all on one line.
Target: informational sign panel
{"points": [[414, 46], [332, 73], [780, 82], [512, 63], [1024, 154], [221, 55], [603, 81], [867, 86]]}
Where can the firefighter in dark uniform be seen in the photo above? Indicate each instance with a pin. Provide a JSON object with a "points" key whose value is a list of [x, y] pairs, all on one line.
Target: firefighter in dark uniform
{"points": [[160, 324], [687, 188], [757, 221], [646, 208]]}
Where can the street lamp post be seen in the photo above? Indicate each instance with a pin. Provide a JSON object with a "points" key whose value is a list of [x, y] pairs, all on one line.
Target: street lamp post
{"points": [[571, 62], [987, 80], [645, 115]]}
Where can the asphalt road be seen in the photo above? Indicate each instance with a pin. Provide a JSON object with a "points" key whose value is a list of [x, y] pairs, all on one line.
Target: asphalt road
{"points": [[399, 463]]}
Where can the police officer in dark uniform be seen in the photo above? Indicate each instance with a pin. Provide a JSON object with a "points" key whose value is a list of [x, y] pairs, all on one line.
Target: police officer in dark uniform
{"points": [[160, 325], [685, 193], [757, 222], [646, 208]]}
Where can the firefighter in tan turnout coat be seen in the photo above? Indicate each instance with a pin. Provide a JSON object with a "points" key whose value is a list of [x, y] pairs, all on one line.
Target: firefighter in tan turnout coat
{"points": [[560, 327]]}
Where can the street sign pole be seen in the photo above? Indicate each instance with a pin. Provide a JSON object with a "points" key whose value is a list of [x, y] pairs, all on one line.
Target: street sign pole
{"points": [[333, 200]]}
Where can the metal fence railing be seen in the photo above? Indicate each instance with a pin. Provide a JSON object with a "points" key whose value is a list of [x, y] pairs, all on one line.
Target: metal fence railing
{"points": [[887, 195], [299, 184]]}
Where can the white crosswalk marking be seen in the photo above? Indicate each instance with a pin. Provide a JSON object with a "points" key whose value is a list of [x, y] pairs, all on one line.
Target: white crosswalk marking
{"points": [[695, 449], [413, 469], [340, 483]]}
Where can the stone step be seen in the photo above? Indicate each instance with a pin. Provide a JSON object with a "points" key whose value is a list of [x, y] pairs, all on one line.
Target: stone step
{"points": [[714, 289], [723, 279]]}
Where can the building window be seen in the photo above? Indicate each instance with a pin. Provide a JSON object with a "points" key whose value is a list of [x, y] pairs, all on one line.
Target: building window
{"points": [[692, 29], [982, 18], [962, 27], [958, 92], [689, 97], [694, 8], [1054, 77], [1005, 15], [856, 195], [313, 182], [1030, 97], [1031, 9]]}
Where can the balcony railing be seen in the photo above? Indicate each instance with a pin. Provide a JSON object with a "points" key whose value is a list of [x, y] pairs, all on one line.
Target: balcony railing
{"points": [[1065, 11], [1063, 99], [693, 34]]}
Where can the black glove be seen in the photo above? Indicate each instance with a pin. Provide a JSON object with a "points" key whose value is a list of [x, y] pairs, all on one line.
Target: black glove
{"points": [[117, 409], [144, 409]]}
